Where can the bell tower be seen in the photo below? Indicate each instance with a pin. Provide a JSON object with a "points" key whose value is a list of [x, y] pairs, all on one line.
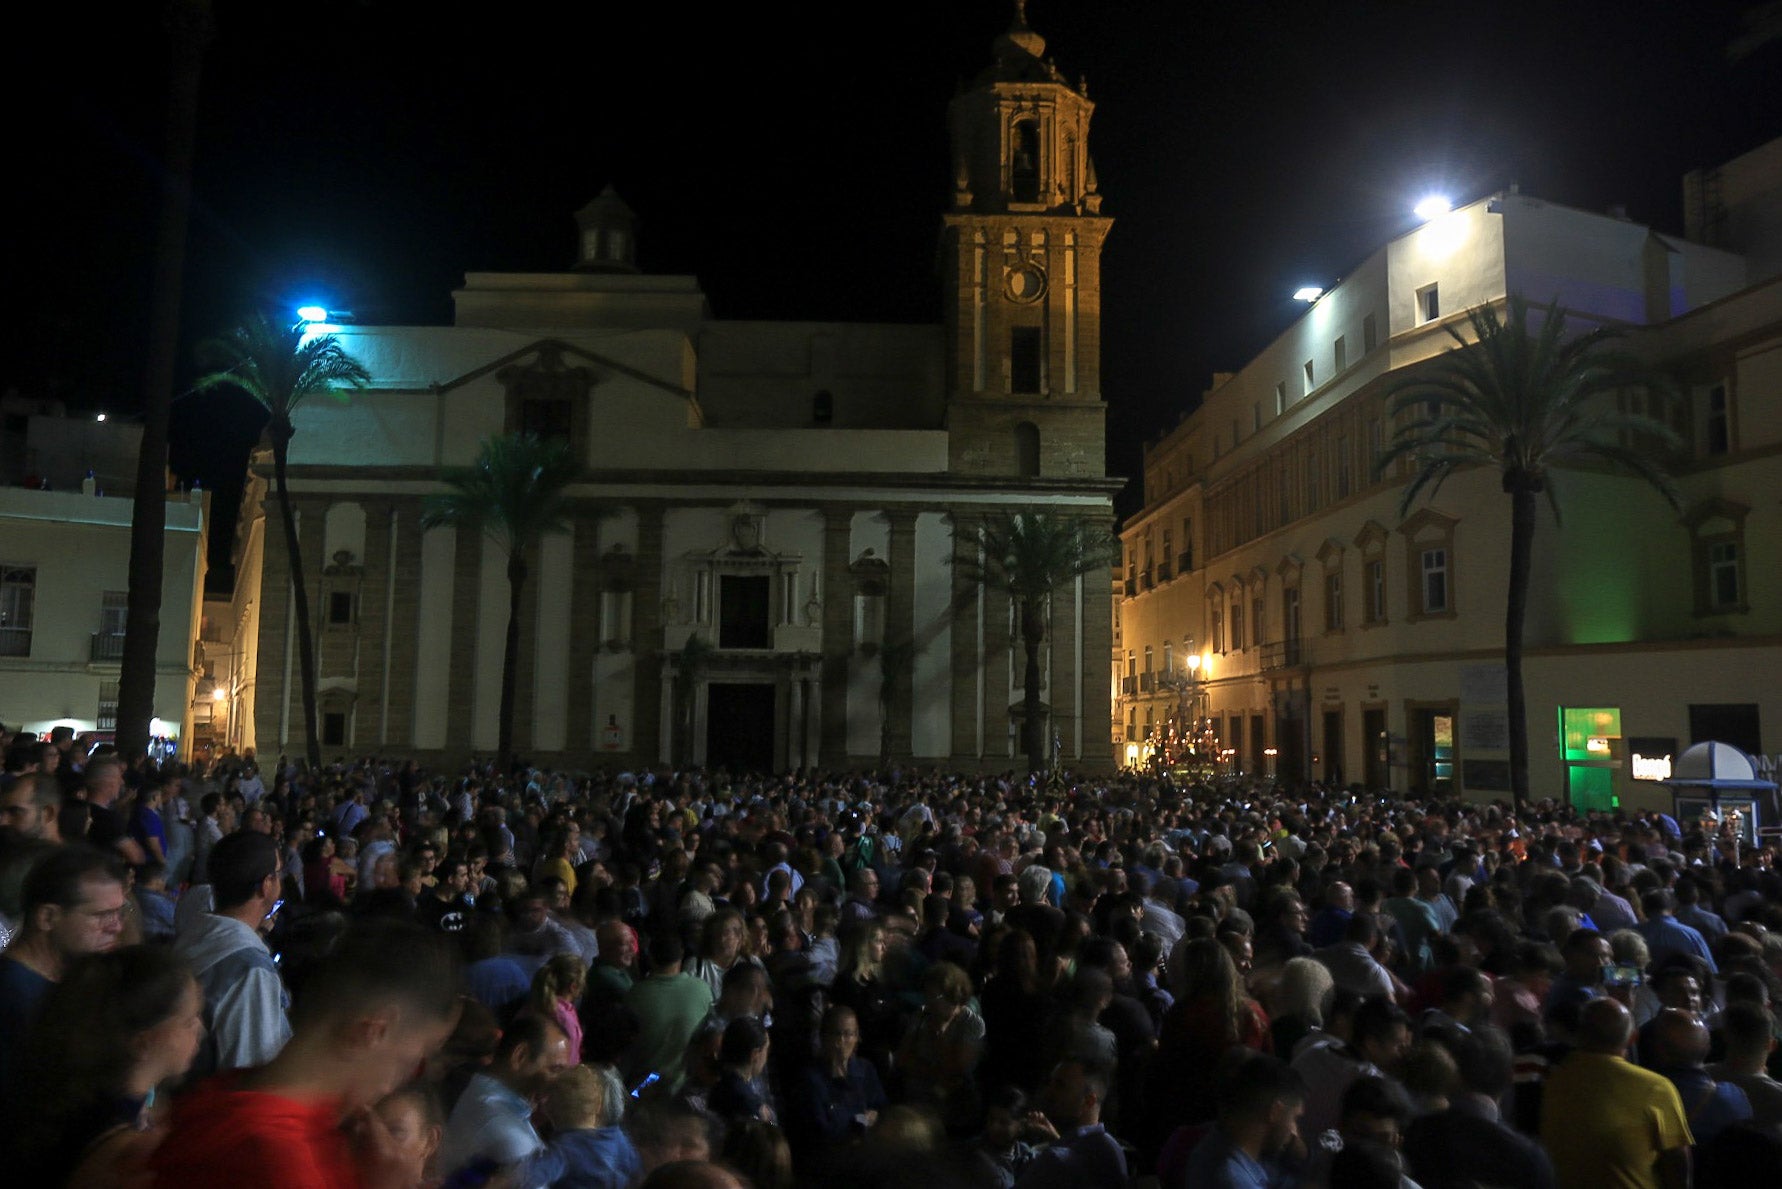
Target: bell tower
{"points": [[1021, 251]]}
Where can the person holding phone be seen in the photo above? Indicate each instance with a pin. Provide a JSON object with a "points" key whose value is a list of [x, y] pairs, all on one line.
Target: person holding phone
{"points": [[245, 1001]]}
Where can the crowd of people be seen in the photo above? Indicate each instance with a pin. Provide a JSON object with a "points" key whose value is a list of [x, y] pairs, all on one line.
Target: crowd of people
{"points": [[373, 974]]}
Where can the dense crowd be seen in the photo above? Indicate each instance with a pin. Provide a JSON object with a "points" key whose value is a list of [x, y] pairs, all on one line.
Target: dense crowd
{"points": [[373, 974]]}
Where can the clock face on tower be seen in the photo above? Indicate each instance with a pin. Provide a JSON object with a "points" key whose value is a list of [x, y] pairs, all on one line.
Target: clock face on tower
{"points": [[1025, 282]]}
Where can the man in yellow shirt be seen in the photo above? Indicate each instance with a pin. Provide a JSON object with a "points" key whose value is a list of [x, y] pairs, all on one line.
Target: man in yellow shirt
{"points": [[1608, 1124]]}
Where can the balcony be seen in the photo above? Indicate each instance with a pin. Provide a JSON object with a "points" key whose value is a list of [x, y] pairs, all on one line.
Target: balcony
{"points": [[1147, 683], [1284, 654], [1129, 685], [107, 646], [15, 641], [1163, 572], [1184, 562], [1145, 578], [1131, 587]]}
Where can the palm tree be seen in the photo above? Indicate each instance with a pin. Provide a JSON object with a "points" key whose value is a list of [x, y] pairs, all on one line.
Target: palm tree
{"points": [[190, 27], [1526, 401], [280, 367], [514, 492], [1028, 556]]}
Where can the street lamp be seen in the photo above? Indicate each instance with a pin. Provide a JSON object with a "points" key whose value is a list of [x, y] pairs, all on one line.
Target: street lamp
{"points": [[312, 313], [1432, 206], [1307, 293]]}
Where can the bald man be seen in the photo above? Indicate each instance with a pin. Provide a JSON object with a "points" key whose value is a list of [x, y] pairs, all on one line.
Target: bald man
{"points": [[1679, 1043], [1607, 1123]]}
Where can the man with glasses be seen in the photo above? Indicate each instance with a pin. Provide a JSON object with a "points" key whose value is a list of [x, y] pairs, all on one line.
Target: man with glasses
{"points": [[72, 905]]}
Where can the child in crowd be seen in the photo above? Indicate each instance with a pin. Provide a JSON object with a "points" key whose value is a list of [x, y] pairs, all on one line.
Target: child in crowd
{"points": [[416, 1123], [154, 902], [588, 1147]]}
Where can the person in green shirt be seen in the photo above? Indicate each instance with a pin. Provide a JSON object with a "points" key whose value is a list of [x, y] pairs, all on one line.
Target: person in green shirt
{"points": [[669, 1006]]}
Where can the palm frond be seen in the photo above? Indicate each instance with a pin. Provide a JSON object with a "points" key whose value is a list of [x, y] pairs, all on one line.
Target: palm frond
{"points": [[515, 491], [278, 366]]}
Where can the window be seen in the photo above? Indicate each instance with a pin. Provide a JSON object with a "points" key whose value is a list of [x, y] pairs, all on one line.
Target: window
{"points": [[18, 592], [1429, 304], [334, 728], [1163, 569], [114, 611], [1255, 418], [1717, 538], [1718, 438], [1311, 382], [1342, 466], [1724, 575], [823, 407], [1280, 398], [340, 607], [1257, 635], [1237, 625], [1168, 657], [1435, 581], [743, 603], [1333, 601], [1217, 632], [1185, 562], [1376, 591], [1370, 335], [1236, 437], [547, 419], [108, 706], [1024, 156], [1025, 372], [1027, 450], [1340, 354]]}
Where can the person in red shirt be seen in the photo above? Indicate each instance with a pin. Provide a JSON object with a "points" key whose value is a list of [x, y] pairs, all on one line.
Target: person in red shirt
{"points": [[369, 1014]]}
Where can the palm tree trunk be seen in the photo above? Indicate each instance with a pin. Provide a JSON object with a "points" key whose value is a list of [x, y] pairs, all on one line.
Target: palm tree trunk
{"points": [[1033, 734], [306, 645], [190, 26], [510, 662], [1522, 529]]}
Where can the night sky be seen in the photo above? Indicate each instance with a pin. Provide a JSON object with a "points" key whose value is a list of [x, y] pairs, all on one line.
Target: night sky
{"points": [[794, 158]]}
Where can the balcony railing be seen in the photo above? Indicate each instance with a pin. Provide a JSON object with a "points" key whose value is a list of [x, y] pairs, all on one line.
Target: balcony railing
{"points": [[1184, 562], [108, 646], [1163, 571], [1129, 685], [1284, 654], [1145, 578], [1147, 682], [15, 641], [1131, 587]]}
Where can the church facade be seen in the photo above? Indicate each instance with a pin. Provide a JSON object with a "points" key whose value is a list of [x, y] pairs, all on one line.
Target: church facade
{"points": [[782, 500]]}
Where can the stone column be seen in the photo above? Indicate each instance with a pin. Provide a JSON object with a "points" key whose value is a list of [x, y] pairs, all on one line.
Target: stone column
{"points": [[404, 622], [584, 633], [900, 627], [374, 599], [967, 663], [838, 633], [646, 640], [467, 575]]}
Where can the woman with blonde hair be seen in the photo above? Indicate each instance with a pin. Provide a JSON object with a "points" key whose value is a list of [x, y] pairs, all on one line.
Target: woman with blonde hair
{"points": [[861, 983], [723, 942], [1302, 997], [556, 993], [940, 1052], [1213, 1017]]}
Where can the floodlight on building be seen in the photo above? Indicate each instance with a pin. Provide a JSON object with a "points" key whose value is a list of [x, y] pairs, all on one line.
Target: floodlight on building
{"points": [[1432, 206], [1307, 293], [312, 313], [100, 417]]}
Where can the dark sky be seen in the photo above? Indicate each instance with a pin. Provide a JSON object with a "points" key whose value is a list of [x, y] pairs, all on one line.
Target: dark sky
{"points": [[794, 158]]}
